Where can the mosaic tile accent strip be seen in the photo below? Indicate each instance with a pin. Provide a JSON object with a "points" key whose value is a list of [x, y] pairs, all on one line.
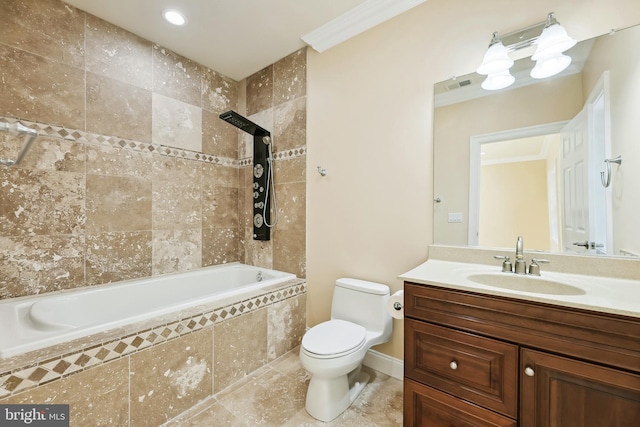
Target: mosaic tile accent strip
{"points": [[279, 155], [291, 154], [39, 373], [115, 142]]}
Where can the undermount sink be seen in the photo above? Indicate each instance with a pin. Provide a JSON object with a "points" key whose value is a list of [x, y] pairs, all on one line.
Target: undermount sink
{"points": [[522, 283]]}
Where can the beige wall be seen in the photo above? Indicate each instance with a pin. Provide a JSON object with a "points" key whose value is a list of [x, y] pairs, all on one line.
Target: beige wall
{"points": [[519, 189], [370, 104], [625, 128]]}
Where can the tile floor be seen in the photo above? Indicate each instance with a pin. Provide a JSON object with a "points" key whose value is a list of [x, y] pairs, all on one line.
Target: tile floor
{"points": [[274, 396]]}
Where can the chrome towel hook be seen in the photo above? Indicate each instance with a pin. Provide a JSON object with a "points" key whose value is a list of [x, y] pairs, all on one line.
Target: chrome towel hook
{"points": [[605, 176]]}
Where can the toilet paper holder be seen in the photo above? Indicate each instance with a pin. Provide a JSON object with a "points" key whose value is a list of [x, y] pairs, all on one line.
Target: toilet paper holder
{"points": [[395, 305]]}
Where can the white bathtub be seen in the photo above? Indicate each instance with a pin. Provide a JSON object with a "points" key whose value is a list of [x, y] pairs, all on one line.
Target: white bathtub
{"points": [[32, 323]]}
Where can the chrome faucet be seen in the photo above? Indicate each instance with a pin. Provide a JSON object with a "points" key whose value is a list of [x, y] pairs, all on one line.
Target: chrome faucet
{"points": [[534, 268], [520, 263]]}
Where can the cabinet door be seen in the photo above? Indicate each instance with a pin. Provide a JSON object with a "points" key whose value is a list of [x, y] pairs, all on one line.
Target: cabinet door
{"points": [[427, 407], [560, 392]]}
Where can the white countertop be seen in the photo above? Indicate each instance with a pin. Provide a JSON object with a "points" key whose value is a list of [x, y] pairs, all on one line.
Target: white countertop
{"points": [[602, 294]]}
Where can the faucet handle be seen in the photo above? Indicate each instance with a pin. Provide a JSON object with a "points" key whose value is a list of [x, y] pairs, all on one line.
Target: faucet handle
{"points": [[534, 268], [506, 265]]}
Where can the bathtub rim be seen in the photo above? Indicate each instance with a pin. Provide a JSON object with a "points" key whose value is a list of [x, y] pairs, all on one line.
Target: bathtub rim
{"points": [[99, 336]]}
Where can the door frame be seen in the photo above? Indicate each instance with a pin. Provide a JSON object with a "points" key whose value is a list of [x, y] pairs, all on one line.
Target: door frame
{"points": [[475, 148]]}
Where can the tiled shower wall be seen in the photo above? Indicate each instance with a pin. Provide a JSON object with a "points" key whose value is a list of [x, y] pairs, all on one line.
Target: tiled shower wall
{"points": [[276, 100], [134, 174]]}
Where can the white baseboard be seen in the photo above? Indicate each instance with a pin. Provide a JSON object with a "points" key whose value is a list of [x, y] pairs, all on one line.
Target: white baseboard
{"points": [[385, 364]]}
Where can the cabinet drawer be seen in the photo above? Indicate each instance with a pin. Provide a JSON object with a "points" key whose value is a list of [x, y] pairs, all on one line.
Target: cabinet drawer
{"points": [[598, 337], [426, 407], [478, 369]]}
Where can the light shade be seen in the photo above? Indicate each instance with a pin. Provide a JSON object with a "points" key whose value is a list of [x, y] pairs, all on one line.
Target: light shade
{"points": [[498, 81], [550, 67], [553, 41], [496, 59]]}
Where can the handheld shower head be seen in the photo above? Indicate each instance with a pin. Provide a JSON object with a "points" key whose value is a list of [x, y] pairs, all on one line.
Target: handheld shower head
{"points": [[266, 139]]}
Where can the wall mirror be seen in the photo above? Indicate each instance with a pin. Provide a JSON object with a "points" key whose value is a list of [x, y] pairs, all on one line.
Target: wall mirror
{"points": [[555, 160]]}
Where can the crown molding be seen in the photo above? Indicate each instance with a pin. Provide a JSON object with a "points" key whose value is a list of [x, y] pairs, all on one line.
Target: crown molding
{"points": [[355, 21]]}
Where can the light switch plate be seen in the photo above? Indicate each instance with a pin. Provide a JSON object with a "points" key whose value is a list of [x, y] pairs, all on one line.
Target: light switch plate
{"points": [[455, 217]]}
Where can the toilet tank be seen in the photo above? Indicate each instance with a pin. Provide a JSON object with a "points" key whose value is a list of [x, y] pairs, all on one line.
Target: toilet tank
{"points": [[363, 303]]}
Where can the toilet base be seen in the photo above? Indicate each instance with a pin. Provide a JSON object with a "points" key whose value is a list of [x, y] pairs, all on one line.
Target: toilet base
{"points": [[329, 397]]}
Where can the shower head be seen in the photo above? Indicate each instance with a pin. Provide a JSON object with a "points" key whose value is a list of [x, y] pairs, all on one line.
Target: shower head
{"points": [[243, 123], [266, 139]]}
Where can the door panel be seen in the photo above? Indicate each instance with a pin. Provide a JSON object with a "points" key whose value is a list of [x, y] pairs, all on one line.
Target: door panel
{"points": [[563, 392], [574, 171]]}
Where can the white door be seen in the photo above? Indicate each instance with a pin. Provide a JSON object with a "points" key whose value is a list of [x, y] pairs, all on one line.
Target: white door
{"points": [[585, 204], [575, 197]]}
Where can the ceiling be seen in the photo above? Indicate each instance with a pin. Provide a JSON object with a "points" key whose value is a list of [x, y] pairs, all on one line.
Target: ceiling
{"points": [[234, 37]]}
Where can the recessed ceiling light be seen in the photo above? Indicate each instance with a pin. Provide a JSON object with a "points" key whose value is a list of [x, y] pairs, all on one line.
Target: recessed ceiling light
{"points": [[174, 17]]}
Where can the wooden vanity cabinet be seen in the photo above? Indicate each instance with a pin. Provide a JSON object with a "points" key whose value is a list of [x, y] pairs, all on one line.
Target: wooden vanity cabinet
{"points": [[569, 393], [475, 360]]}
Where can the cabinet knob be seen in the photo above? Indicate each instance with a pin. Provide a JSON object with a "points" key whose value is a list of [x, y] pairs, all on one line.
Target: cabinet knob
{"points": [[453, 365], [528, 371]]}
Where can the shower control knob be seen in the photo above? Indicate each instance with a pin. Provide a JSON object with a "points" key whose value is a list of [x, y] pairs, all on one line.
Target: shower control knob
{"points": [[258, 205], [261, 189], [255, 185], [257, 220], [256, 194], [258, 170]]}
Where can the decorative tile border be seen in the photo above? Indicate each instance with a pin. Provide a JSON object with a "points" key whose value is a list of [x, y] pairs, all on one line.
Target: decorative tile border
{"points": [[279, 155], [115, 142], [291, 154], [42, 372]]}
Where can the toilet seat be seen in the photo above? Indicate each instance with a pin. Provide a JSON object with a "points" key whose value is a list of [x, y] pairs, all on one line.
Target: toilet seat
{"points": [[333, 338]]}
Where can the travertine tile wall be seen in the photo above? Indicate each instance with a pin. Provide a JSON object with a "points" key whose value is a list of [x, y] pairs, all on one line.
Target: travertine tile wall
{"points": [[135, 175], [276, 99]]}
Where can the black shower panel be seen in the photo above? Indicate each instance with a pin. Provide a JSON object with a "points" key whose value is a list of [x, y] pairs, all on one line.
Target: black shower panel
{"points": [[261, 172], [261, 201]]}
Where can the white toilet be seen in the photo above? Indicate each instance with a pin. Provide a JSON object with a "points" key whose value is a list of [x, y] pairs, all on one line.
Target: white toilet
{"points": [[333, 351]]}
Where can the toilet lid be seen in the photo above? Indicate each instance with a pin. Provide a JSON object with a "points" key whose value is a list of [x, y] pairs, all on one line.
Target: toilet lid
{"points": [[333, 337]]}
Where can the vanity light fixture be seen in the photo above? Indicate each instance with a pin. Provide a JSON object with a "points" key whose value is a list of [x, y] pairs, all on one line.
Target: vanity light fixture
{"points": [[550, 40], [551, 44], [495, 65], [174, 17]]}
